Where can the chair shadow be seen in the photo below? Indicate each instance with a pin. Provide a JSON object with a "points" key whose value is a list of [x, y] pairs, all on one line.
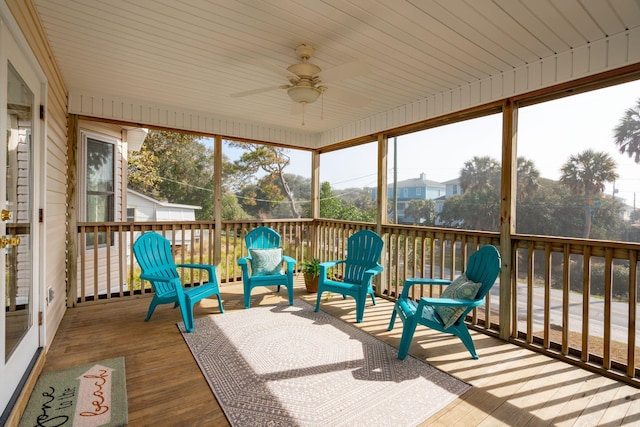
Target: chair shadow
{"points": [[379, 360]]}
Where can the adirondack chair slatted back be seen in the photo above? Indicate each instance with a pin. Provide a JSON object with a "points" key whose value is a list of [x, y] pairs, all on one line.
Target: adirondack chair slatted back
{"points": [[363, 253], [262, 238], [153, 253], [484, 267]]}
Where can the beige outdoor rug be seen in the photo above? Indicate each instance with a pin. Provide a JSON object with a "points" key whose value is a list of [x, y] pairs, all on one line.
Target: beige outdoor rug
{"points": [[285, 365]]}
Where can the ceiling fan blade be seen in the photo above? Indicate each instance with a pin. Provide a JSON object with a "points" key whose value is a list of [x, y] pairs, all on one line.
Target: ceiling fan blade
{"points": [[344, 71], [255, 91], [346, 97]]}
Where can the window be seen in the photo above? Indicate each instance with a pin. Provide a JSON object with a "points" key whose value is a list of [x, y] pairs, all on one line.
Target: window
{"points": [[131, 214], [469, 149], [587, 188], [100, 186], [418, 191]]}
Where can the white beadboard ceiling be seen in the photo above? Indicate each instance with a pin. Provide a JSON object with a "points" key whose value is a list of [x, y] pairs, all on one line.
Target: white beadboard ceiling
{"points": [[192, 54]]}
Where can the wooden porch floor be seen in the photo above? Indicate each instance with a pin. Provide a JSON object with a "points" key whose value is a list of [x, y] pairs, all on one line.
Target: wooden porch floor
{"points": [[511, 385]]}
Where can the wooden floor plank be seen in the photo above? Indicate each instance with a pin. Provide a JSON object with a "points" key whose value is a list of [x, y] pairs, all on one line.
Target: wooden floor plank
{"points": [[165, 386]]}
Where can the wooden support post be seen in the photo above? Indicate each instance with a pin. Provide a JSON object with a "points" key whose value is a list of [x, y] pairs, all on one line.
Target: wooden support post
{"points": [[72, 210], [507, 214]]}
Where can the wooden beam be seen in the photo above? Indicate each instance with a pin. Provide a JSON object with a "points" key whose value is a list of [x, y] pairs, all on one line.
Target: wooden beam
{"points": [[72, 210], [507, 213], [217, 200]]}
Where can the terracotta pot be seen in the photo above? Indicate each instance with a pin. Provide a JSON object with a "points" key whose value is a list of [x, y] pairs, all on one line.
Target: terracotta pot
{"points": [[311, 282]]}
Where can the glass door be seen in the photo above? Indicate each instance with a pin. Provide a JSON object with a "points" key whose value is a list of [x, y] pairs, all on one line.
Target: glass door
{"points": [[18, 278]]}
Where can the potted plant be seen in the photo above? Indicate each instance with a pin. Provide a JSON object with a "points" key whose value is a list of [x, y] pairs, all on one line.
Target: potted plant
{"points": [[311, 273]]}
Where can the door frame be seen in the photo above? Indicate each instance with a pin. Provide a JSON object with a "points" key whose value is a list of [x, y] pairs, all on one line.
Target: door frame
{"points": [[14, 46]]}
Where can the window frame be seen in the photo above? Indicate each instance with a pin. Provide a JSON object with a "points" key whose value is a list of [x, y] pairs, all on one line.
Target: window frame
{"points": [[83, 175]]}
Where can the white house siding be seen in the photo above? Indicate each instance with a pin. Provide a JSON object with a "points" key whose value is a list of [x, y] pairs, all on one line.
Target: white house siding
{"points": [[23, 201], [56, 164]]}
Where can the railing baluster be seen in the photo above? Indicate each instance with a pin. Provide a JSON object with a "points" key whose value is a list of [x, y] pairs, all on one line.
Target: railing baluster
{"points": [[633, 298], [565, 299], [530, 274], [586, 295], [608, 296]]}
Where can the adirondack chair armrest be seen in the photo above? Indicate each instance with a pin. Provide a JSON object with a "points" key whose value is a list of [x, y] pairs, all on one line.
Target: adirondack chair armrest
{"points": [[289, 261], [329, 264], [211, 269], [173, 280], [449, 302], [375, 270], [326, 266], [243, 261], [198, 266], [368, 274], [408, 283], [151, 277]]}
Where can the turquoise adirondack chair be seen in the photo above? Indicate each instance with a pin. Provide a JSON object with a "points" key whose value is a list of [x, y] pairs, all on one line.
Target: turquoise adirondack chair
{"points": [[153, 253], [360, 266], [447, 312], [265, 264]]}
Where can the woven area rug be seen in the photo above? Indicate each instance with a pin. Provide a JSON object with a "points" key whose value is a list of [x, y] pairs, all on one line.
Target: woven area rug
{"points": [[288, 366], [85, 396]]}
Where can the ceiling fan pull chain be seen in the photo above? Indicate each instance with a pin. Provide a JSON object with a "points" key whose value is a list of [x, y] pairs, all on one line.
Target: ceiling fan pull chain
{"points": [[303, 105]]}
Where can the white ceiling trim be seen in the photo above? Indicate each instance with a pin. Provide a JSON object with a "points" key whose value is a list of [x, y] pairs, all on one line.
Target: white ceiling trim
{"points": [[144, 113]]}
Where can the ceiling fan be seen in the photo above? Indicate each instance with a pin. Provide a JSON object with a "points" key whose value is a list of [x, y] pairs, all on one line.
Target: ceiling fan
{"points": [[307, 81]]}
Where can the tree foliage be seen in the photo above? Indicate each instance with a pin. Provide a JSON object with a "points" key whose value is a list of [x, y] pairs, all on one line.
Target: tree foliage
{"points": [[273, 161], [627, 133], [472, 210], [422, 212], [175, 167], [178, 167], [586, 174], [480, 173], [333, 207]]}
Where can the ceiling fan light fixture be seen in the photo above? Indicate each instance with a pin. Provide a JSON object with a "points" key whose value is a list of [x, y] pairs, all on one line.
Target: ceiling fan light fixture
{"points": [[306, 94]]}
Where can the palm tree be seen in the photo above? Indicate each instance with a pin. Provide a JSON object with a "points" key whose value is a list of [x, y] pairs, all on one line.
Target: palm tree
{"points": [[586, 174], [480, 173], [627, 133], [528, 176]]}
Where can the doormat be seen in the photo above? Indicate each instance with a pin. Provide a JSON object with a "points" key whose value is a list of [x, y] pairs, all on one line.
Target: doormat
{"points": [[84, 396], [286, 365]]}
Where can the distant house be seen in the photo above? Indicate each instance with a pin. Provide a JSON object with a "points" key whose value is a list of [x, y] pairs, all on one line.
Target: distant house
{"points": [[452, 188], [141, 208], [144, 208], [413, 189]]}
